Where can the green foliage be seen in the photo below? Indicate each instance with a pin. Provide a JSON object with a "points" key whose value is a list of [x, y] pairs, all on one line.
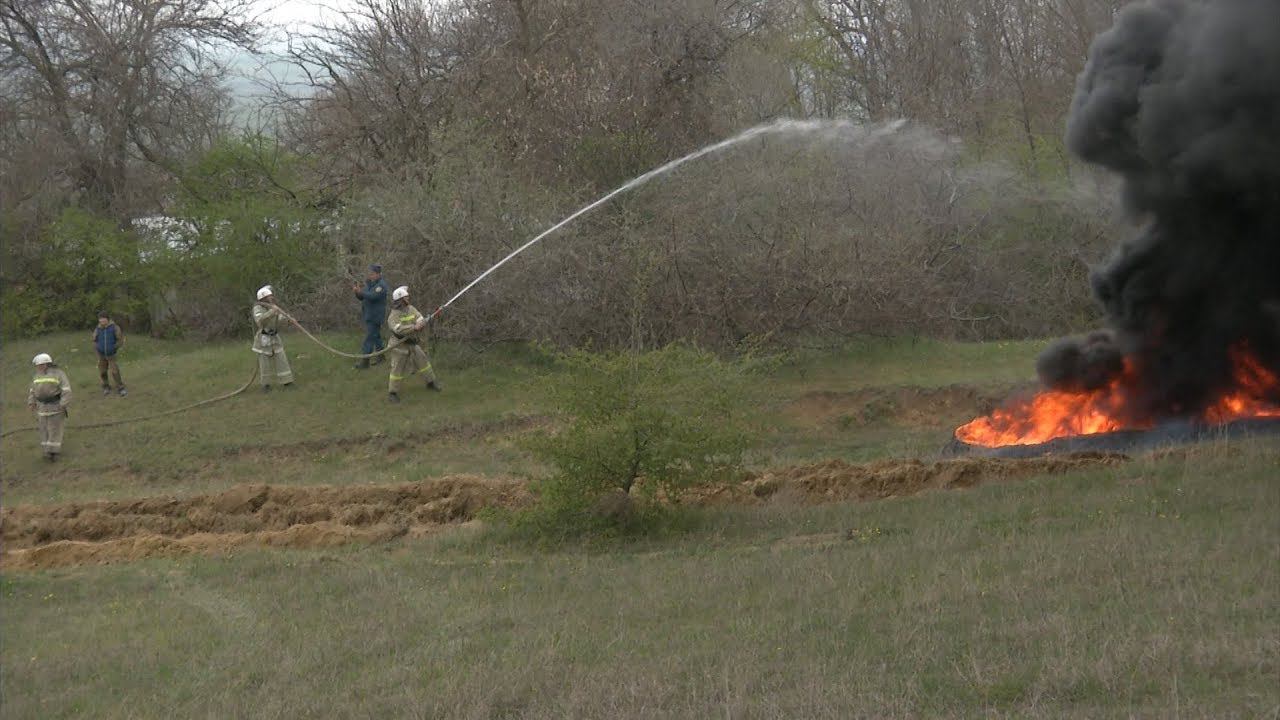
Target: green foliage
{"points": [[242, 227], [249, 169], [650, 424], [236, 225], [87, 264]]}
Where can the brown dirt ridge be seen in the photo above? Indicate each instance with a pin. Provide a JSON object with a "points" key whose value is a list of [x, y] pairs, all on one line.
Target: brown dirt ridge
{"points": [[99, 532], [246, 515], [841, 481]]}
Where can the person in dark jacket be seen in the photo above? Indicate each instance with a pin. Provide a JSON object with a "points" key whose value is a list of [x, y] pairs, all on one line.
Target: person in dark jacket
{"points": [[373, 310], [108, 338]]}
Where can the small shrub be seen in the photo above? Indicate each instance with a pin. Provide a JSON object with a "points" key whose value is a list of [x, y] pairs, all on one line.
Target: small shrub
{"points": [[636, 427]]}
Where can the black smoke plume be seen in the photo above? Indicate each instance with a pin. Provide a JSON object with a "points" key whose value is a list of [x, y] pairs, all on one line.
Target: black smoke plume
{"points": [[1182, 99]]}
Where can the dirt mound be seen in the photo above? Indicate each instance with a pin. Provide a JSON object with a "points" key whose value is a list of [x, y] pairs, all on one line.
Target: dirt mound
{"points": [[43, 536], [261, 515], [837, 480], [905, 405]]}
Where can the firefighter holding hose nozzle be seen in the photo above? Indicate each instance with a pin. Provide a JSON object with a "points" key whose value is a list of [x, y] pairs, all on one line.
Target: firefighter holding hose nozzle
{"points": [[408, 352], [273, 364]]}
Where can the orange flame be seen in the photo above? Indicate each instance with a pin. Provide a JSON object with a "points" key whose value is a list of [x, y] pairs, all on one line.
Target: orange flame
{"points": [[1254, 384], [1052, 414]]}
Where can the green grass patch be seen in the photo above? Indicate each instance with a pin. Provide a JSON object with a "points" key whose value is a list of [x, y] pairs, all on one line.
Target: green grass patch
{"points": [[923, 362], [1148, 589], [336, 426]]}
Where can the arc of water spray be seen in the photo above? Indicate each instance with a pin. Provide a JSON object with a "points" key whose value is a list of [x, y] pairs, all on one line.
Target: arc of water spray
{"points": [[778, 126]]}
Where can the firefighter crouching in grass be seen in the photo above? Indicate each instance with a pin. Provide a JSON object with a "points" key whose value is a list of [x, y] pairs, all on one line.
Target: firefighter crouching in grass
{"points": [[408, 350], [48, 398], [273, 364]]}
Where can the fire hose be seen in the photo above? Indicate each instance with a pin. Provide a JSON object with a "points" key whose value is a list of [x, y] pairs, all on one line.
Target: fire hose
{"points": [[355, 356], [224, 396], [777, 126], [152, 416]]}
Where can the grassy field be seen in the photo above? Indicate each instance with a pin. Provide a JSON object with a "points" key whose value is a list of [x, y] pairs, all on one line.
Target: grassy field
{"points": [[336, 426], [1149, 589]]}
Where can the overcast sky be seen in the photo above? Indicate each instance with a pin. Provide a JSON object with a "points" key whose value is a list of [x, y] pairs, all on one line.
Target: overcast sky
{"points": [[293, 13], [249, 71]]}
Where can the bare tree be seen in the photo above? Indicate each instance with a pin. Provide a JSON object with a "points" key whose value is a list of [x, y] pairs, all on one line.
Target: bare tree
{"points": [[377, 87], [555, 85], [114, 90], [982, 69]]}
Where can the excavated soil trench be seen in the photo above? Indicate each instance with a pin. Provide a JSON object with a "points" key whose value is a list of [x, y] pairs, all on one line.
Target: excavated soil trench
{"points": [[840, 481], [78, 533]]}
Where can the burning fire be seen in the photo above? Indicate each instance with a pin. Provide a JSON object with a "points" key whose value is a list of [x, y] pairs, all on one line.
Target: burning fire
{"points": [[1254, 384], [1053, 414]]}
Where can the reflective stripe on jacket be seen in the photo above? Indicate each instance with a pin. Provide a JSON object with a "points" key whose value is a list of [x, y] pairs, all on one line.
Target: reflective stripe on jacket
{"points": [[50, 387], [267, 320], [403, 322]]}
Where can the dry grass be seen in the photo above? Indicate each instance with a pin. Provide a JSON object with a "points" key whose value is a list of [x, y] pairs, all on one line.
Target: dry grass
{"points": [[1146, 590], [1151, 589]]}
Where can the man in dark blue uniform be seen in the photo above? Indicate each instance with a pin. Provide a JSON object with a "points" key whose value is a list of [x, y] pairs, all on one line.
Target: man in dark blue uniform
{"points": [[373, 309]]}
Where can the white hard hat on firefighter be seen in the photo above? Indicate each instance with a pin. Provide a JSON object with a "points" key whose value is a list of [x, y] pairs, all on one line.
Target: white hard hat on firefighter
{"points": [[400, 293], [42, 359], [265, 291]]}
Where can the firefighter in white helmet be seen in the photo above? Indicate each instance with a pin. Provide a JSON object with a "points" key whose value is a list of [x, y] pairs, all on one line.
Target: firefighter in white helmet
{"points": [[48, 397], [273, 364], [409, 349]]}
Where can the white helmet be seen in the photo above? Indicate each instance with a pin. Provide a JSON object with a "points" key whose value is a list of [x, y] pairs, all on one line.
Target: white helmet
{"points": [[400, 293], [264, 291], [42, 359]]}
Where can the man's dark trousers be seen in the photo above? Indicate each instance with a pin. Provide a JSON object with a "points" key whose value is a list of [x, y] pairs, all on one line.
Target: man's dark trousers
{"points": [[372, 337]]}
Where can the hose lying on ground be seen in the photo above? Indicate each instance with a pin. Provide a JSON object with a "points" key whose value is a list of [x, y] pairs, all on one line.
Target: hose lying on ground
{"points": [[210, 401], [152, 416]]}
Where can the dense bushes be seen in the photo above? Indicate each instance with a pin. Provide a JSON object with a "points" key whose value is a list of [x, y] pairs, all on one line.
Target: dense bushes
{"points": [[85, 264], [792, 238], [441, 135], [242, 222], [807, 236]]}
